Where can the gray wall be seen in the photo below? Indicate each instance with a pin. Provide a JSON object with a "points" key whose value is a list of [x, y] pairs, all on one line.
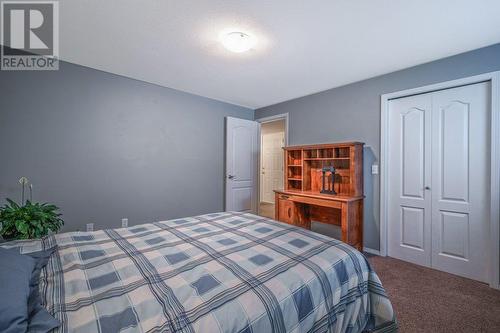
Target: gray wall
{"points": [[103, 147], [352, 112]]}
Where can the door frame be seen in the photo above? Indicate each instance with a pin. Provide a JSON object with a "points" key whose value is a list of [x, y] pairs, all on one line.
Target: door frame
{"points": [[494, 242], [281, 116]]}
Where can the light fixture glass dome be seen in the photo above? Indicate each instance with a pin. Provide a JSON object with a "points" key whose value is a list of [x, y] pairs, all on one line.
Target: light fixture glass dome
{"points": [[238, 41]]}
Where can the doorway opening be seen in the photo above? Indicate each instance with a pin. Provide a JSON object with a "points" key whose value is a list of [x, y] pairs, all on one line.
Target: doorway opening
{"points": [[272, 140]]}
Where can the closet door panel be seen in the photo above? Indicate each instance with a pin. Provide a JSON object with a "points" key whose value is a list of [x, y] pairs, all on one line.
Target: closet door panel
{"points": [[454, 149], [413, 137], [412, 227], [454, 235], [460, 180], [409, 160]]}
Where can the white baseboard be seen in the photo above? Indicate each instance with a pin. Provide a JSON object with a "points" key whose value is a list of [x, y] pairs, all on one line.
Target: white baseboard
{"points": [[371, 251]]}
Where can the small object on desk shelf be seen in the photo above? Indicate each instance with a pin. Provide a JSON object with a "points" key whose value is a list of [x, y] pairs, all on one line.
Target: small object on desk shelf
{"points": [[328, 188]]}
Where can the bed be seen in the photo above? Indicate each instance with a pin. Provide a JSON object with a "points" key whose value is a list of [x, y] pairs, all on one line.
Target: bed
{"points": [[222, 272]]}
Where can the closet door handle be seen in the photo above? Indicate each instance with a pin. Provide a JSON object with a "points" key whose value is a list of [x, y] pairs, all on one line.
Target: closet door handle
{"points": [[427, 188], [230, 176]]}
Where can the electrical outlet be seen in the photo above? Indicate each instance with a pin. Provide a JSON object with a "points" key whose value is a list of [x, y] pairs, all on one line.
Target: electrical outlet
{"points": [[90, 226], [124, 223], [375, 169]]}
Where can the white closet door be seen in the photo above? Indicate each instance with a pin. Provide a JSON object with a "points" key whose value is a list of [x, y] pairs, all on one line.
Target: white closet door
{"points": [[440, 183], [409, 202], [460, 180]]}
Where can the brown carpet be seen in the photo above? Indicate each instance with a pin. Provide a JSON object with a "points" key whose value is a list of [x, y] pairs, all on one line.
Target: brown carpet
{"points": [[426, 300]]}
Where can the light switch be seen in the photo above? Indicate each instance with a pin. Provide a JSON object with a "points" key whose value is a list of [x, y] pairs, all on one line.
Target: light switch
{"points": [[90, 226], [375, 169], [124, 223]]}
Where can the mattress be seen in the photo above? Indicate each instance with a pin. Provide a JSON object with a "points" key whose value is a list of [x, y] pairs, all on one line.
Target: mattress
{"points": [[222, 272]]}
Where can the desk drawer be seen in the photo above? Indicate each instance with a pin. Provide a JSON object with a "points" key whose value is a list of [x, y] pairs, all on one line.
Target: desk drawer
{"points": [[286, 211], [315, 201]]}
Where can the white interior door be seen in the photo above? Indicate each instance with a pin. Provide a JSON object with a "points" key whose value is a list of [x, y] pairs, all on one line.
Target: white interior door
{"points": [[461, 180], [271, 165], [409, 231], [439, 186], [241, 164]]}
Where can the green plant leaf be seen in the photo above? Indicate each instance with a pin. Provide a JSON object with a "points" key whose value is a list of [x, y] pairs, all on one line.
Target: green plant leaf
{"points": [[31, 220]]}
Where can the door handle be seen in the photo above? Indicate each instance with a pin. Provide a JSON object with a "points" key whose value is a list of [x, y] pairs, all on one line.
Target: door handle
{"points": [[427, 188], [230, 176]]}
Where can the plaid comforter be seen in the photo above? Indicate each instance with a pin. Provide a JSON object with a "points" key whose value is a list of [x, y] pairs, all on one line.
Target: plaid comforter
{"points": [[224, 272]]}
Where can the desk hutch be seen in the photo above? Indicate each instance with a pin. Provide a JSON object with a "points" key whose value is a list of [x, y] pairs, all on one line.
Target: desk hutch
{"points": [[301, 201]]}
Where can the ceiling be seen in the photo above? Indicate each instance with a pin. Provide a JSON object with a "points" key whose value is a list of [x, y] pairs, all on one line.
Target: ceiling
{"points": [[303, 46]]}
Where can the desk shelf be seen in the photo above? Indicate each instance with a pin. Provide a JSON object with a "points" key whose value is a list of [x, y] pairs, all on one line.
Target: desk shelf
{"points": [[304, 165]]}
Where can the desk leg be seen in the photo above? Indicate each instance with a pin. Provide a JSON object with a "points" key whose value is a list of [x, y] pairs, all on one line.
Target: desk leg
{"points": [[345, 222], [352, 219], [276, 206]]}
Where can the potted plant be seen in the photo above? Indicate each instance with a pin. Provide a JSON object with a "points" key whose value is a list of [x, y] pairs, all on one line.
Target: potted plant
{"points": [[28, 219]]}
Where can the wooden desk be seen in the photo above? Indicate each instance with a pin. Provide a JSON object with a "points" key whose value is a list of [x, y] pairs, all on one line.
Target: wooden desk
{"points": [[301, 207], [302, 201]]}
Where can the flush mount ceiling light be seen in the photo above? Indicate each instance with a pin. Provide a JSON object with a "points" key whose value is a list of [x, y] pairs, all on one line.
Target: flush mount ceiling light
{"points": [[237, 41]]}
